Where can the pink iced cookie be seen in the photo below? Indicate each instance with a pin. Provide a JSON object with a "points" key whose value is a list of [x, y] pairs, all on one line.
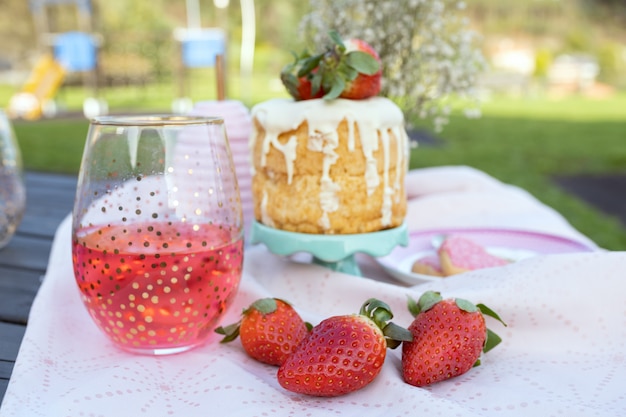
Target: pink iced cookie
{"points": [[458, 254], [428, 265]]}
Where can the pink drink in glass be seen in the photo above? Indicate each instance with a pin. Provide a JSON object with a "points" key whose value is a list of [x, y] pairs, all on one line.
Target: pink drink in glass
{"points": [[160, 286]]}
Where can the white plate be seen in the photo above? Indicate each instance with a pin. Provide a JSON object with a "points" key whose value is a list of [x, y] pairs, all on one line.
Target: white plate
{"points": [[514, 245]]}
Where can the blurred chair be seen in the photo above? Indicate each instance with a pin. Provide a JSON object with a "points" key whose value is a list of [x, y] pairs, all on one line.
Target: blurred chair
{"points": [[199, 48], [76, 51]]}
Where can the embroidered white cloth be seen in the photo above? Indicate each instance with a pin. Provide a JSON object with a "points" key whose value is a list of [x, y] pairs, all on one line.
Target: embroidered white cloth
{"points": [[562, 354]]}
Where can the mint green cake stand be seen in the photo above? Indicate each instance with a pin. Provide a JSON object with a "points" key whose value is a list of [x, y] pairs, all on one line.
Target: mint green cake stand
{"points": [[335, 252]]}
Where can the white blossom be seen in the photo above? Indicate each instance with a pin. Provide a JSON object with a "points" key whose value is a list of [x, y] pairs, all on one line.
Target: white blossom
{"points": [[427, 50]]}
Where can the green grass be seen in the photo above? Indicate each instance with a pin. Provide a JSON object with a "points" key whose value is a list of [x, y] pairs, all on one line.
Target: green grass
{"points": [[54, 145], [200, 84], [525, 142], [528, 142]]}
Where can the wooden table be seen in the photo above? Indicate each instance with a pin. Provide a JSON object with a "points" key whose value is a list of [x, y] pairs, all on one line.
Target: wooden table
{"points": [[24, 260]]}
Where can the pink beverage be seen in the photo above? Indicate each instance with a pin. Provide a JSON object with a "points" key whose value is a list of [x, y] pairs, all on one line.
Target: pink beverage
{"points": [[158, 287]]}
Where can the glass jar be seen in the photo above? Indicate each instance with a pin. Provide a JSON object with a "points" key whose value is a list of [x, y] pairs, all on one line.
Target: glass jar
{"points": [[12, 189]]}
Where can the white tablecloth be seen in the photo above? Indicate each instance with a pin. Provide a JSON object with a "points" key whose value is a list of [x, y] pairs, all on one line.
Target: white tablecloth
{"points": [[562, 354]]}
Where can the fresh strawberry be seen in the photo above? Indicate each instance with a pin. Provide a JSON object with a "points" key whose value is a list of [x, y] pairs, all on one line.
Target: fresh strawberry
{"points": [[448, 338], [269, 329], [365, 84], [349, 70], [300, 87], [305, 89], [343, 353]]}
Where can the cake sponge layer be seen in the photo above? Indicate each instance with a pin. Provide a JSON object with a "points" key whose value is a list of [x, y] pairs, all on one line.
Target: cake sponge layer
{"points": [[329, 168]]}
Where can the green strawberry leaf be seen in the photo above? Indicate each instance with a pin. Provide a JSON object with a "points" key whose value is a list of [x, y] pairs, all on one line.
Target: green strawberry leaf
{"points": [[308, 65], [316, 84], [379, 313], [348, 73], [492, 341], [489, 312], [395, 335], [290, 82], [376, 310], [477, 363], [231, 332], [413, 307], [428, 300], [334, 36], [265, 305], [382, 315], [362, 62], [336, 88], [466, 305], [328, 77]]}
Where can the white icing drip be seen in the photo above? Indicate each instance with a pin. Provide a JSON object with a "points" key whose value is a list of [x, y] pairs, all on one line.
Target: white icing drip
{"points": [[372, 118], [267, 141], [271, 140], [401, 139], [265, 218], [329, 202], [289, 151], [387, 191], [369, 143], [324, 221], [315, 142]]}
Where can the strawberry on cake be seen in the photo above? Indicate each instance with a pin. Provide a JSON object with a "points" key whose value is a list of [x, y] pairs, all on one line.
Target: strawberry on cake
{"points": [[334, 164]]}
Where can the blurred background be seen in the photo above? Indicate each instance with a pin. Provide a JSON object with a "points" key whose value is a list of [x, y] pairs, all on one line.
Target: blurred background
{"points": [[556, 47], [552, 92]]}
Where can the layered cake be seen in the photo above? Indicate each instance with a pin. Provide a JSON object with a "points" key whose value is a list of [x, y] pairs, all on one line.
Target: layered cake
{"points": [[329, 166]]}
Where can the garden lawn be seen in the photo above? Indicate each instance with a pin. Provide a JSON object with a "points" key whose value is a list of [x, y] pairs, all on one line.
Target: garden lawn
{"points": [[52, 145], [524, 142]]}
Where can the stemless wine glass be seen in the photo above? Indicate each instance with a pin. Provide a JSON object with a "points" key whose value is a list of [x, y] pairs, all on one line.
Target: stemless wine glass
{"points": [[12, 190], [157, 230]]}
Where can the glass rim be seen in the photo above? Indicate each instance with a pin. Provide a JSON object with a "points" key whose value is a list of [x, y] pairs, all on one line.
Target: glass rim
{"points": [[154, 120]]}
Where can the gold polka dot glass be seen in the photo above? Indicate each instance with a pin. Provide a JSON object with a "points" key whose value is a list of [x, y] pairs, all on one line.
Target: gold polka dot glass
{"points": [[157, 235]]}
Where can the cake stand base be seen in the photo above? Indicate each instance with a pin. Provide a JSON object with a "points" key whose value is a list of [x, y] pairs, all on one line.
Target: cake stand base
{"points": [[335, 252]]}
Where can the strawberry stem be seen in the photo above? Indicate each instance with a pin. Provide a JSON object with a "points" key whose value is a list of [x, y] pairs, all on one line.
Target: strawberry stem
{"points": [[380, 313], [329, 72], [336, 38], [425, 302], [492, 341], [263, 306], [489, 312], [230, 332]]}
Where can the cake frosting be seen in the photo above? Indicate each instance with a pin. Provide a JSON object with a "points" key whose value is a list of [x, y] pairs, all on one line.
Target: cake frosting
{"points": [[329, 166]]}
